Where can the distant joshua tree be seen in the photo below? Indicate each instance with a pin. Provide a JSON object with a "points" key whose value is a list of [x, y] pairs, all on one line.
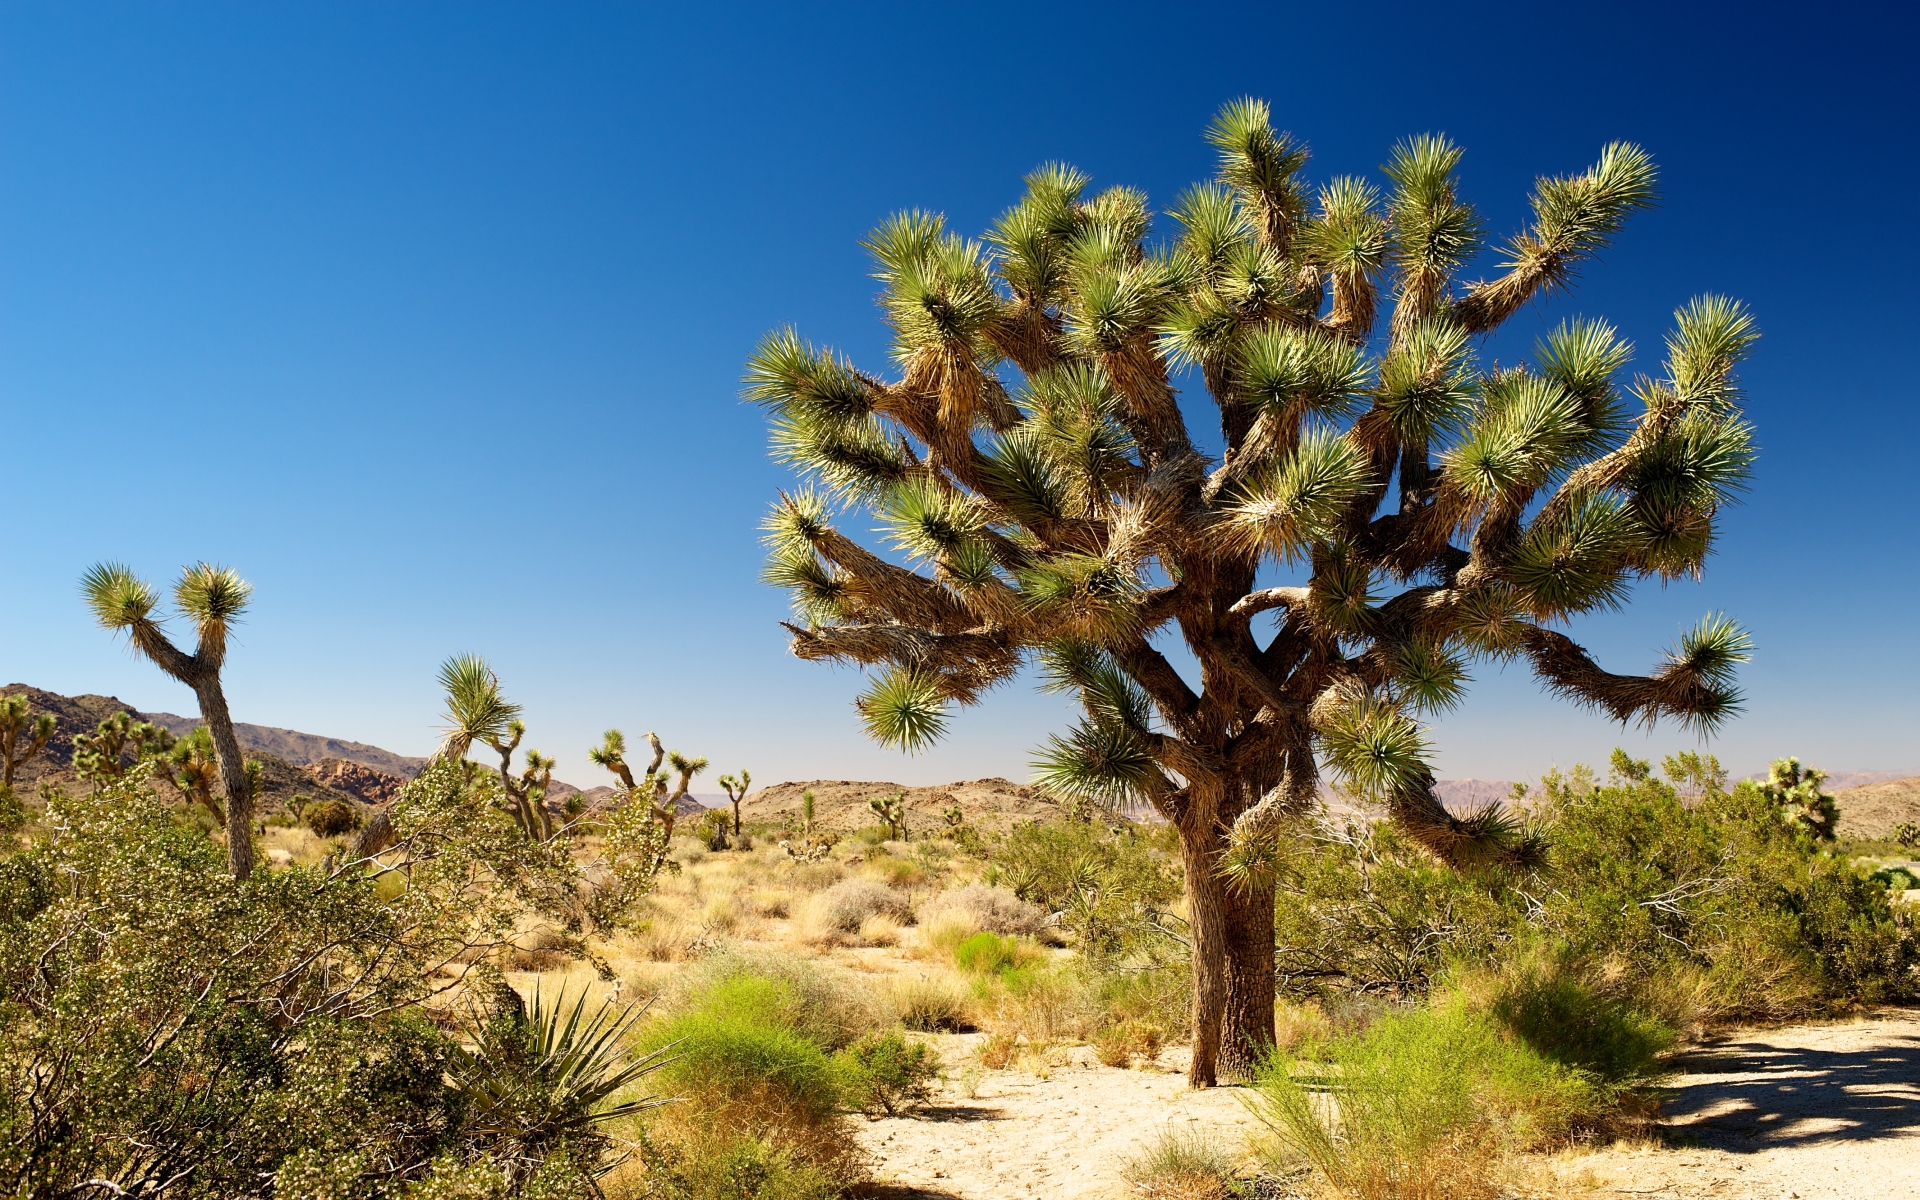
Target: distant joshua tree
{"points": [[1412, 510], [477, 712], [611, 753], [17, 722], [213, 598], [736, 789]]}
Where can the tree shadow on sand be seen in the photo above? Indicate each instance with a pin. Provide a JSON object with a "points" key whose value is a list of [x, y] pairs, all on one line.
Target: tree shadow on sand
{"points": [[1746, 1095]]}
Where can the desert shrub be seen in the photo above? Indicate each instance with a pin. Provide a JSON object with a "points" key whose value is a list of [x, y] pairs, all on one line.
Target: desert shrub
{"points": [[1416, 1105], [1109, 884], [727, 1166], [1121, 1044], [819, 1002], [1558, 1008], [992, 909], [331, 818], [739, 1067], [815, 876], [931, 1003], [991, 954], [1896, 879], [1755, 915], [1038, 1004], [845, 906], [1181, 1166], [886, 1073], [1358, 907], [897, 872]]}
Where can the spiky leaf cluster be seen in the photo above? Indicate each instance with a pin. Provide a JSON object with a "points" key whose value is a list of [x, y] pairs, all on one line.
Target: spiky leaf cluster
{"points": [[1039, 497]]}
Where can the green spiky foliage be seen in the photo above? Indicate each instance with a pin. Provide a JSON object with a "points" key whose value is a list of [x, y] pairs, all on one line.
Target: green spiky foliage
{"points": [[193, 768], [116, 745], [478, 712], [1801, 805], [1040, 498], [611, 753], [892, 811], [736, 788], [23, 735], [1907, 834], [213, 599]]}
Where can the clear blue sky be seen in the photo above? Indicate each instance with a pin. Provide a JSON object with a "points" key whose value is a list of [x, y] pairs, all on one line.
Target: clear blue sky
{"points": [[429, 318]]}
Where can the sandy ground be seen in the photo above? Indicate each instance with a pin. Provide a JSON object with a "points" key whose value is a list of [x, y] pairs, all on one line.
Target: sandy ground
{"points": [[1807, 1111], [1021, 1136], [1803, 1112]]}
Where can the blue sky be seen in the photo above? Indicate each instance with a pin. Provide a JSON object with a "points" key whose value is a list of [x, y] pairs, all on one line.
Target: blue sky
{"points": [[429, 318]]}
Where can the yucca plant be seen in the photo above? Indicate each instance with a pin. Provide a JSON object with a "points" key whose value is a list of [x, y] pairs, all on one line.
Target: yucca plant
{"points": [[479, 712], [736, 788], [213, 598], [544, 1078], [1414, 509]]}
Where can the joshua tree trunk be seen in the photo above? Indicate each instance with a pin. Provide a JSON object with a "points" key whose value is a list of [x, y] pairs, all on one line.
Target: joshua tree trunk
{"points": [[233, 773]]}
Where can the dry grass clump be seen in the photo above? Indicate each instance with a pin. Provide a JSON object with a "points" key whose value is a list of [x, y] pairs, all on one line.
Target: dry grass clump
{"points": [[1129, 1043], [840, 911], [1181, 1166], [982, 909], [880, 930], [933, 1003], [825, 1004]]}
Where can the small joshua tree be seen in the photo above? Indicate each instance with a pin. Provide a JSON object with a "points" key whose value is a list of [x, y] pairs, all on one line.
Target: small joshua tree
{"points": [[736, 789], [17, 722], [103, 755], [213, 598], [611, 754], [1800, 802], [806, 811], [1907, 834], [1415, 510], [478, 712], [892, 811]]}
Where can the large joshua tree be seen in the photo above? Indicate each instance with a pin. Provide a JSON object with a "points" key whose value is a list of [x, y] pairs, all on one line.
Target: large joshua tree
{"points": [[213, 598], [1413, 510]]}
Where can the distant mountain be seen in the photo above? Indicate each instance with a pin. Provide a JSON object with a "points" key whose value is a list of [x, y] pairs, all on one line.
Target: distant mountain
{"points": [[281, 780], [301, 749]]}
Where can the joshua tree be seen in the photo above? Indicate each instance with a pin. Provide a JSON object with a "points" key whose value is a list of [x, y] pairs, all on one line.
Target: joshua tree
{"points": [[892, 811], [1907, 834], [16, 722], [478, 712], [212, 598], [192, 768], [1801, 803], [1396, 509], [611, 754], [102, 756], [736, 789]]}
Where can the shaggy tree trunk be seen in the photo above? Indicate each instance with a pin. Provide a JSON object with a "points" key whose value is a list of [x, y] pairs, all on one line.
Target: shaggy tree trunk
{"points": [[233, 774], [1232, 965]]}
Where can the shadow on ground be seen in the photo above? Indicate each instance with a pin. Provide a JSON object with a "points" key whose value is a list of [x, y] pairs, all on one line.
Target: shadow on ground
{"points": [[1746, 1095]]}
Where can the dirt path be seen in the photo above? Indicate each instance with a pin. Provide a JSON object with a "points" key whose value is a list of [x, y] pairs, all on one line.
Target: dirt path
{"points": [[1807, 1111], [1058, 1138]]}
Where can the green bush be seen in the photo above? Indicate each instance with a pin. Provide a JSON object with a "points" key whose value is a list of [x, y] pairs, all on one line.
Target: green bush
{"points": [[736, 1045], [732, 1167], [886, 1073], [331, 818], [1544, 998], [987, 953], [1110, 885], [1422, 1101]]}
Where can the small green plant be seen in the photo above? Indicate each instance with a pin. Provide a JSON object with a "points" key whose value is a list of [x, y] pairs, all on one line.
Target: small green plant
{"points": [[331, 818], [892, 811], [987, 953], [886, 1073], [713, 829]]}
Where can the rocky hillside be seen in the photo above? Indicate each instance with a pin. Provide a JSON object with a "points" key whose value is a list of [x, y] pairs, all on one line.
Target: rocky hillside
{"points": [[301, 749], [841, 805], [281, 780], [1872, 811]]}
